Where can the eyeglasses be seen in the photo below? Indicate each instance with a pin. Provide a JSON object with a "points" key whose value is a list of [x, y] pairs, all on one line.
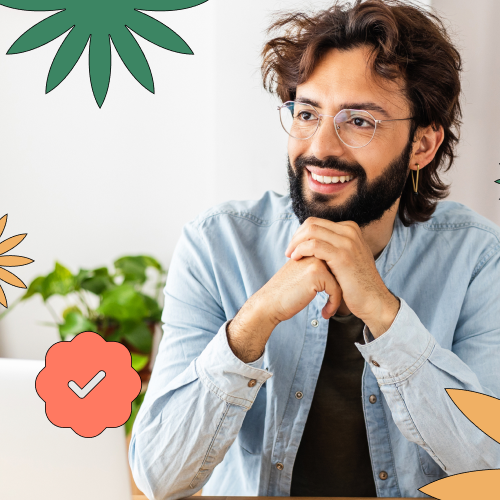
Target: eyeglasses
{"points": [[354, 127]]}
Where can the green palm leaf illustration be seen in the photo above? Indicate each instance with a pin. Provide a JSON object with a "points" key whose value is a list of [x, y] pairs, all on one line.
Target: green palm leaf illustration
{"points": [[157, 33], [101, 21], [34, 5], [100, 66], [133, 57], [43, 32], [67, 56]]}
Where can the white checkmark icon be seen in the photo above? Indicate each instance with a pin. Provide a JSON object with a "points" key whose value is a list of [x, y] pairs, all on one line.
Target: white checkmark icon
{"points": [[82, 392]]}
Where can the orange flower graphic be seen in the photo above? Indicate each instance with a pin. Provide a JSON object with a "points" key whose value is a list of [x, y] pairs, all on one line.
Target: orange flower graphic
{"points": [[484, 412], [10, 261]]}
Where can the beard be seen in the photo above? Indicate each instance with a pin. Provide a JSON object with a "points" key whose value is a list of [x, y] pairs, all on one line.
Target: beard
{"points": [[368, 204]]}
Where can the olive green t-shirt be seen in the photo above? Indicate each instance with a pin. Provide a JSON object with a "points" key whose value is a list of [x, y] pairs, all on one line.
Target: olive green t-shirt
{"points": [[333, 458]]}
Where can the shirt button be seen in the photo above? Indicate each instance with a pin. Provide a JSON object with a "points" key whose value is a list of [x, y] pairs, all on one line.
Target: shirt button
{"points": [[279, 466], [375, 363], [373, 399], [252, 382], [315, 323], [298, 395], [383, 475]]}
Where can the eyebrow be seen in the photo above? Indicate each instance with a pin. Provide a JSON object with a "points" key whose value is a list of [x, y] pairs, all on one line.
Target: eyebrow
{"points": [[367, 106]]}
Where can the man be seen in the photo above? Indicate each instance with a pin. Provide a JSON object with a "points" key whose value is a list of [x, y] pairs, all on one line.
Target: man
{"points": [[309, 338]]}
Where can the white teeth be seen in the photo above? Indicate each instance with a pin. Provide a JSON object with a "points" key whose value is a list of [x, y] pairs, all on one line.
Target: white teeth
{"points": [[331, 180]]}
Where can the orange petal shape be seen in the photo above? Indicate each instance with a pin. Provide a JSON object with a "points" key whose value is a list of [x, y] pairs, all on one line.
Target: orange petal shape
{"points": [[3, 298], [482, 410], [3, 221], [10, 243], [481, 484], [14, 260], [10, 278]]}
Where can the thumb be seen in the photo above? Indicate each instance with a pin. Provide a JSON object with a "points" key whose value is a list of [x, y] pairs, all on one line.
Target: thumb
{"points": [[331, 306], [334, 297]]}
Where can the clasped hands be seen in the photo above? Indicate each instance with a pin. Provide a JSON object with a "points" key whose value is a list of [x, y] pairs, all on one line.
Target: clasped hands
{"points": [[349, 258]]}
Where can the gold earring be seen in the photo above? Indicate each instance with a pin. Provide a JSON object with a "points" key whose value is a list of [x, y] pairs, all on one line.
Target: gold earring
{"points": [[415, 186]]}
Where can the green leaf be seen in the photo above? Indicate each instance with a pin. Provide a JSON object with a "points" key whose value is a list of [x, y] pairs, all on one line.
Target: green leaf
{"points": [[67, 56], [138, 335], [123, 303], [33, 5], [74, 324], [82, 275], [139, 361], [157, 33], [132, 56], [136, 405], [498, 180], [100, 65], [132, 268], [43, 32], [69, 310], [151, 262], [164, 5], [154, 310], [97, 281], [34, 287], [58, 282]]}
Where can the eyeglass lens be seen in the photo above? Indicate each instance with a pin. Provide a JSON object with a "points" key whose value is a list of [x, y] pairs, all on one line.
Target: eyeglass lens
{"points": [[355, 128]]}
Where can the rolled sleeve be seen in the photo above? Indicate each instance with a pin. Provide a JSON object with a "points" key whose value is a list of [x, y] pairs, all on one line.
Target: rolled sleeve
{"points": [[258, 362], [226, 375], [399, 351]]}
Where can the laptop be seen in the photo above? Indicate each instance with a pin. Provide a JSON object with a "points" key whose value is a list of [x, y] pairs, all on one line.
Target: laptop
{"points": [[41, 461]]}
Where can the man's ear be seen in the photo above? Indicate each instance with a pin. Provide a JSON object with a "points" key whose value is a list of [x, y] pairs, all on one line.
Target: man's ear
{"points": [[427, 142]]}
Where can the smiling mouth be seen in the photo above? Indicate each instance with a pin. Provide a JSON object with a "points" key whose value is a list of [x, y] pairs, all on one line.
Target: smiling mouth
{"points": [[323, 179]]}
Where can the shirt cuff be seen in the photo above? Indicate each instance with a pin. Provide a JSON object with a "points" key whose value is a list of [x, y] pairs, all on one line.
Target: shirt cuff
{"points": [[401, 350], [227, 376], [258, 362]]}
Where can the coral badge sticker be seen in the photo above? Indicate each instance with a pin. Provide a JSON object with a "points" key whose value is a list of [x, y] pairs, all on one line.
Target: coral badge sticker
{"points": [[101, 22], [484, 412], [10, 261], [88, 384]]}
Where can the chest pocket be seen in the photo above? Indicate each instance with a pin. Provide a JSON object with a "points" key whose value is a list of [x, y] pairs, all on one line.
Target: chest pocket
{"points": [[251, 434], [429, 466]]}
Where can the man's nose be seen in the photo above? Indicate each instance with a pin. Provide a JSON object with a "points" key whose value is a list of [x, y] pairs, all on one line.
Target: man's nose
{"points": [[326, 142]]}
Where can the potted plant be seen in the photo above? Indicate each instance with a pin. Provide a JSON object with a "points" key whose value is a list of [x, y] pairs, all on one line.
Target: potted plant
{"points": [[113, 304]]}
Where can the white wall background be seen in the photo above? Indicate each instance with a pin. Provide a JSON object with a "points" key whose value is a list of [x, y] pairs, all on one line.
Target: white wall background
{"points": [[474, 26], [89, 185]]}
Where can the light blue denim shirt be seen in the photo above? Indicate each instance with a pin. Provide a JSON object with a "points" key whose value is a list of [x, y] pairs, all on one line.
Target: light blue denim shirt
{"points": [[202, 425]]}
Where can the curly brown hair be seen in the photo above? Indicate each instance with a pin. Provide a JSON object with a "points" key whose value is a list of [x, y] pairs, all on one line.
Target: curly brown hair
{"points": [[406, 42]]}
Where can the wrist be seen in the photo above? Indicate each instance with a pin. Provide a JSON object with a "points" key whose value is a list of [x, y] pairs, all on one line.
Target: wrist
{"points": [[387, 312], [249, 331], [263, 311]]}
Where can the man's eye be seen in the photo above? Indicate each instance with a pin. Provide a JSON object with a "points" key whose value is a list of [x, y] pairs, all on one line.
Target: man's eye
{"points": [[361, 122], [306, 116]]}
